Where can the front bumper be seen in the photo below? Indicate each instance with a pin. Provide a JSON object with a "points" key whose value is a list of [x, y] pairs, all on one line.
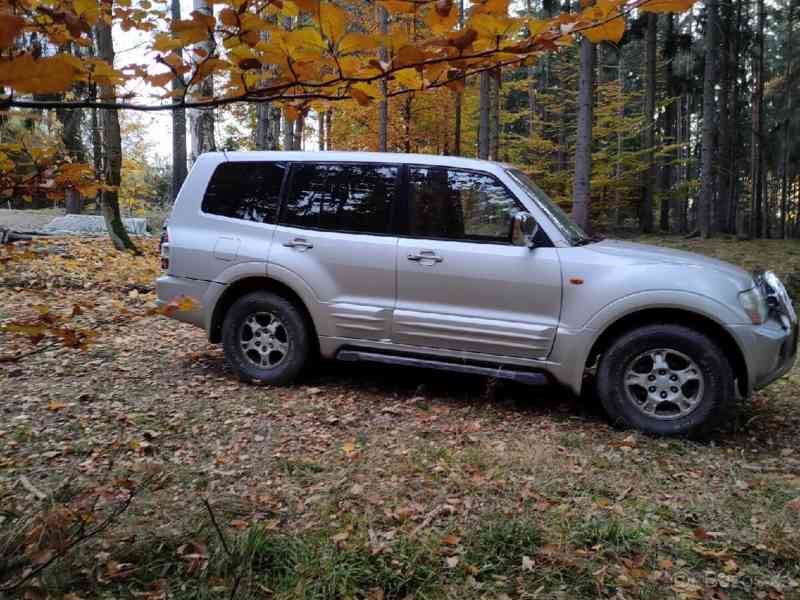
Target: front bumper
{"points": [[770, 349]]}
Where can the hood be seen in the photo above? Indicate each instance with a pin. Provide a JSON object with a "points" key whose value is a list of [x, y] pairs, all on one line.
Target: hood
{"points": [[643, 254]]}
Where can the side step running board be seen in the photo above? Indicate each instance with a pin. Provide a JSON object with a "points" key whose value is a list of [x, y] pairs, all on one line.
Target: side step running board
{"points": [[531, 378]]}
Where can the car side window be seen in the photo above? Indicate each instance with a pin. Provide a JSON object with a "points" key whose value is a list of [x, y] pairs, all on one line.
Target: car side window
{"points": [[341, 197], [459, 205], [245, 190]]}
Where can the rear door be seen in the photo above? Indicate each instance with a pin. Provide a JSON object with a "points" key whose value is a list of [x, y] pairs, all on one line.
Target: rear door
{"points": [[334, 233], [462, 281]]}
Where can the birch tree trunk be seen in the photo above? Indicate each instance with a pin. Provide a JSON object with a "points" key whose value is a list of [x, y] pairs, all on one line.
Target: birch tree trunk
{"points": [[112, 140]]}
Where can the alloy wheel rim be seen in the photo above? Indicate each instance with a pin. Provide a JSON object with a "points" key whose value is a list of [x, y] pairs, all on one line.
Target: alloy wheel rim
{"points": [[264, 340], [664, 384]]}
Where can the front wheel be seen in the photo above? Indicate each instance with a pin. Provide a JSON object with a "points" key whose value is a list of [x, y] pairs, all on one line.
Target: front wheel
{"points": [[666, 380], [265, 339]]}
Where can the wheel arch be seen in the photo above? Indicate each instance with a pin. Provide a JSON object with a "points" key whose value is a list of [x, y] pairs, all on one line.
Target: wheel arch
{"points": [[675, 316], [259, 283]]}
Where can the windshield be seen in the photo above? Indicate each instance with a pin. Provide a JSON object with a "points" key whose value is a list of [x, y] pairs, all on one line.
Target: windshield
{"points": [[573, 234]]}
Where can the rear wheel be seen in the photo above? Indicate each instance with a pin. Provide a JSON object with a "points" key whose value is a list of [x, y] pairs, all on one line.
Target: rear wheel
{"points": [[667, 380], [265, 339]]}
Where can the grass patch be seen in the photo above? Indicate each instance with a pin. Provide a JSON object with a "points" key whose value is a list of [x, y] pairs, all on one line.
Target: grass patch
{"points": [[609, 533], [314, 567], [498, 547]]}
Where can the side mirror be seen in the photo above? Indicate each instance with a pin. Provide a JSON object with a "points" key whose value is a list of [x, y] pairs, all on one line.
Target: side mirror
{"points": [[525, 229]]}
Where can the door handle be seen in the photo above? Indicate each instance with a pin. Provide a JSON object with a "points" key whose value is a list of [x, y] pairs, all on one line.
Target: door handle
{"points": [[301, 243], [425, 255]]}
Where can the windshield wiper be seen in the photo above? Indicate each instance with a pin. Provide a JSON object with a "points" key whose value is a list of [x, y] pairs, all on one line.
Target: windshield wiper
{"points": [[588, 239]]}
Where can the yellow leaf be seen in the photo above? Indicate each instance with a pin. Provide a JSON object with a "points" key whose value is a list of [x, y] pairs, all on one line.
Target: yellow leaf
{"points": [[492, 26], [303, 41], [357, 42], [441, 22], [86, 8], [308, 6], [290, 9], [208, 67], [410, 78], [165, 43], [490, 7], [39, 76], [333, 21], [659, 6], [609, 31], [399, 7]]}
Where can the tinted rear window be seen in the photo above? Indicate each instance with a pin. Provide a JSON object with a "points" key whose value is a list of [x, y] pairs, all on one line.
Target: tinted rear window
{"points": [[245, 190], [341, 197]]}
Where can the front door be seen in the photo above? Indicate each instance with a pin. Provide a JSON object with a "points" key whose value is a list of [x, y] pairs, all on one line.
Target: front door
{"points": [[462, 281], [333, 232]]}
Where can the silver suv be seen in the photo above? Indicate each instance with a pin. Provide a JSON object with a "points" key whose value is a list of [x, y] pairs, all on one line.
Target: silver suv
{"points": [[463, 265]]}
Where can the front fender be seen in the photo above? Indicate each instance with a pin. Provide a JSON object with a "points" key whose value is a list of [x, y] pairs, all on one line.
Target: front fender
{"points": [[573, 345]]}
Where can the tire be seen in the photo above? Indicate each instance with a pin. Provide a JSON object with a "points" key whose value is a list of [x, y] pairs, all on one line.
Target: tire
{"points": [[266, 339], [636, 393]]}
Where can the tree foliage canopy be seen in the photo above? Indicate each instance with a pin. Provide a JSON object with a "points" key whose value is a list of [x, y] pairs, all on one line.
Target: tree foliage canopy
{"points": [[300, 51]]}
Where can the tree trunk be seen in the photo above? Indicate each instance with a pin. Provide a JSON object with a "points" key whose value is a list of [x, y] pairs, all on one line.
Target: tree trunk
{"points": [[179, 164], [321, 127], [646, 208], [618, 216], [407, 114], [669, 200], [494, 141], [383, 105], [756, 174], [581, 189], [299, 128], [459, 95], [266, 137], [723, 172], [288, 132], [329, 129], [706, 199], [71, 121], [113, 145], [484, 114], [787, 112], [202, 120]]}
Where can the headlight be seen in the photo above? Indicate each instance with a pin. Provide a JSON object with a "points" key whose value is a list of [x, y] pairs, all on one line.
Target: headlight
{"points": [[755, 305]]}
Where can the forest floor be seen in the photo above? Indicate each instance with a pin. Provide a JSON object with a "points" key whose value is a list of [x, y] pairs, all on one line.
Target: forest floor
{"points": [[359, 482]]}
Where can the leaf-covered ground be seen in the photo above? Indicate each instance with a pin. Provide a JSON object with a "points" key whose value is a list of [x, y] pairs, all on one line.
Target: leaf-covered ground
{"points": [[361, 481]]}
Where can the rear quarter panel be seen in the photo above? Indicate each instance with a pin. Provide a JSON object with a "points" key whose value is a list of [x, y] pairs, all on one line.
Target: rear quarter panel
{"points": [[204, 246]]}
